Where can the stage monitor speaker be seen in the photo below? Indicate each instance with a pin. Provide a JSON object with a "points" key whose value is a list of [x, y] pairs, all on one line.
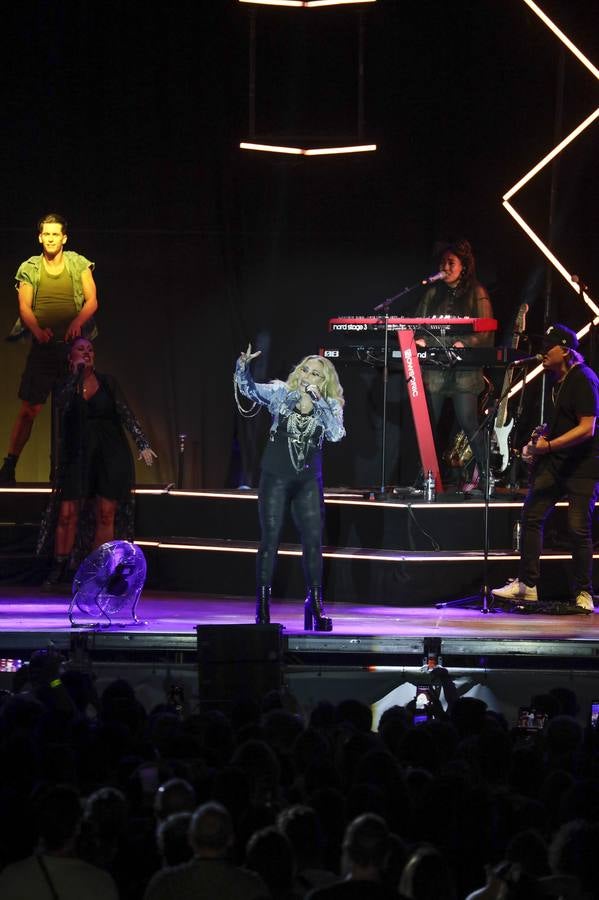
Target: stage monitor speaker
{"points": [[238, 662]]}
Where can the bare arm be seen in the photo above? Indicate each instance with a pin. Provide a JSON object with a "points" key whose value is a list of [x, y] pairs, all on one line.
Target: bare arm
{"points": [[90, 305]]}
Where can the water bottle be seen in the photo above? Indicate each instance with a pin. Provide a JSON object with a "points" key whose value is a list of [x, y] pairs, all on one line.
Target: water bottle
{"points": [[517, 537], [430, 488]]}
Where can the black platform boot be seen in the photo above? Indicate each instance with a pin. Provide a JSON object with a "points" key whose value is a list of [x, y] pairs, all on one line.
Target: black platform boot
{"points": [[314, 614], [263, 605]]}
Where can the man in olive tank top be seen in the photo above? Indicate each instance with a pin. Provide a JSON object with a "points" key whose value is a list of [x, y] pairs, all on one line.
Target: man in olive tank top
{"points": [[57, 299]]}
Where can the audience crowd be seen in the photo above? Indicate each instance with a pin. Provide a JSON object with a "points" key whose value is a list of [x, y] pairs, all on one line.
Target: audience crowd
{"points": [[100, 798]]}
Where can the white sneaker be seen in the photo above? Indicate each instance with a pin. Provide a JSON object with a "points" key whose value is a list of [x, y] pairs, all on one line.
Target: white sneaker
{"points": [[516, 590], [585, 601]]}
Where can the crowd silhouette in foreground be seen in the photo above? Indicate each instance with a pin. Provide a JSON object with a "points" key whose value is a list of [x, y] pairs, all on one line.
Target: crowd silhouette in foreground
{"points": [[100, 797]]}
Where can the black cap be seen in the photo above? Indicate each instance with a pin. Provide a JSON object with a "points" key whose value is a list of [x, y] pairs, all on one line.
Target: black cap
{"points": [[560, 335]]}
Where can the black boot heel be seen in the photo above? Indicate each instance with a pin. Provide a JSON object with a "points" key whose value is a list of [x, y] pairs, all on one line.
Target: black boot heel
{"points": [[263, 605], [314, 615], [308, 622]]}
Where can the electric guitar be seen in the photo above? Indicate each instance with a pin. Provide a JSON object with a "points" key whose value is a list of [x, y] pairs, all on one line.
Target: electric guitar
{"points": [[500, 441], [529, 458]]}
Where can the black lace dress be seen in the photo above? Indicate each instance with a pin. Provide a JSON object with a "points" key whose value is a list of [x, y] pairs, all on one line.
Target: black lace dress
{"points": [[94, 460]]}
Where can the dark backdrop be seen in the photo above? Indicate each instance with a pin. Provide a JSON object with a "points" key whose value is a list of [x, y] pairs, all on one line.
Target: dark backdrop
{"points": [[126, 118]]}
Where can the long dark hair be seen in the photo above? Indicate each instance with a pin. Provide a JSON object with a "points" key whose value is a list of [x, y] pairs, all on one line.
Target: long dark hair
{"points": [[463, 250], [465, 288]]}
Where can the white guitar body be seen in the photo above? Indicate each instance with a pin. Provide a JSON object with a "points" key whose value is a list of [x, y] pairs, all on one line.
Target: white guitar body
{"points": [[501, 432], [502, 445]]}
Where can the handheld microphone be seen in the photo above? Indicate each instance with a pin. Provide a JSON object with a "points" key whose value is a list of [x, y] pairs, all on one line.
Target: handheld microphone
{"points": [[80, 370], [526, 360], [311, 392], [439, 276]]}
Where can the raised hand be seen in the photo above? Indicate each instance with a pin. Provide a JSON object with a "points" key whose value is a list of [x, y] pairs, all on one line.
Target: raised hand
{"points": [[148, 456], [246, 357]]}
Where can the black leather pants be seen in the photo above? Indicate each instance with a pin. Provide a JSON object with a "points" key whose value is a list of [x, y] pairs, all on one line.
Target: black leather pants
{"points": [[277, 494]]}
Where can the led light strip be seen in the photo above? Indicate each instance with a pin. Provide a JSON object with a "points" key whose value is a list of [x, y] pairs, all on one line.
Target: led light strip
{"points": [[305, 4], [472, 557], [307, 151], [565, 40], [535, 170]]}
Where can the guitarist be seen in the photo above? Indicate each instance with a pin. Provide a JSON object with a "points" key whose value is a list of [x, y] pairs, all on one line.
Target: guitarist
{"points": [[565, 464]]}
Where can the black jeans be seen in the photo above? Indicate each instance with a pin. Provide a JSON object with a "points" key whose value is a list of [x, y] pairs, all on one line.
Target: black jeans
{"points": [[546, 489], [304, 497]]}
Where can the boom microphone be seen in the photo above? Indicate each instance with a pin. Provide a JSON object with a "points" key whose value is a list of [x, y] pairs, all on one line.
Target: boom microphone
{"points": [[526, 360], [439, 276]]}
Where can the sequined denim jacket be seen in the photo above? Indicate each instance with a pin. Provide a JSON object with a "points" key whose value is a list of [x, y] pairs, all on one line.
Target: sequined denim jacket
{"points": [[280, 401]]}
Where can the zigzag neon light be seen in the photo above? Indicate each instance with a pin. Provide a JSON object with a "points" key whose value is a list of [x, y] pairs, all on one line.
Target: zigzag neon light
{"points": [[541, 165]]}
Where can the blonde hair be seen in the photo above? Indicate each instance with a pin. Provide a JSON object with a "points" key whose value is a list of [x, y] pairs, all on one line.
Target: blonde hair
{"points": [[330, 388]]}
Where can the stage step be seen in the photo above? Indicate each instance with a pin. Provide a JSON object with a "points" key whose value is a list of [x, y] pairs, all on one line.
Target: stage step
{"points": [[351, 574], [390, 551]]}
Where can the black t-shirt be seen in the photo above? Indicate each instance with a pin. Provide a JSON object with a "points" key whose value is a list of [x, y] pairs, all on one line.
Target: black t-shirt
{"points": [[284, 448], [576, 396]]}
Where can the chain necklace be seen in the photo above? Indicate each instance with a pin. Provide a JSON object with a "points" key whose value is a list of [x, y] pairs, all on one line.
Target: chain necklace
{"points": [[300, 430], [555, 395]]}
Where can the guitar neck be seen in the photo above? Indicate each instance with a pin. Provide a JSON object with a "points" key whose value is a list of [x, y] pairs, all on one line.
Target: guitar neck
{"points": [[505, 389], [519, 326]]}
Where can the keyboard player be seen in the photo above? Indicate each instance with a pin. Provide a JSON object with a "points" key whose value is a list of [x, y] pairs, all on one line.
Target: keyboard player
{"points": [[457, 293]]}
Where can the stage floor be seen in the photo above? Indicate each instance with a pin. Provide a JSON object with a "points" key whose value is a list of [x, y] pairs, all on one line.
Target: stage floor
{"points": [[168, 621], [376, 653]]}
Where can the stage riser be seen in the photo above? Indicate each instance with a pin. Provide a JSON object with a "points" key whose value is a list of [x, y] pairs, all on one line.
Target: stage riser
{"points": [[369, 526], [355, 581], [377, 526]]}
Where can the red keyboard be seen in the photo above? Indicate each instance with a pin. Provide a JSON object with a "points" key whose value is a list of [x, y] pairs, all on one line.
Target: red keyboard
{"points": [[444, 324]]}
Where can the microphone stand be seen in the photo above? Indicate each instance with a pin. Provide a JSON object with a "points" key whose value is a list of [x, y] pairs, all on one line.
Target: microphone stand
{"points": [[513, 483], [384, 309], [180, 460], [484, 600], [81, 417]]}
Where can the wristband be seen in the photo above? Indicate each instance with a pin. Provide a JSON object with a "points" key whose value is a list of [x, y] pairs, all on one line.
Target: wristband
{"points": [[548, 446]]}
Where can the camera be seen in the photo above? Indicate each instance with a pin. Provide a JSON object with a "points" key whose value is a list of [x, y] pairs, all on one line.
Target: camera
{"points": [[423, 707], [531, 719], [10, 665]]}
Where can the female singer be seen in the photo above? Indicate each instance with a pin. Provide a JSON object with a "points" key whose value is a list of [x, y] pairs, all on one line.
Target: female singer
{"points": [[458, 293], [306, 409], [92, 500]]}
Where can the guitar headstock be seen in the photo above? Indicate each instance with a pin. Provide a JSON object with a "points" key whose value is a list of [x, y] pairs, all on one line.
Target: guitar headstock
{"points": [[519, 324]]}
